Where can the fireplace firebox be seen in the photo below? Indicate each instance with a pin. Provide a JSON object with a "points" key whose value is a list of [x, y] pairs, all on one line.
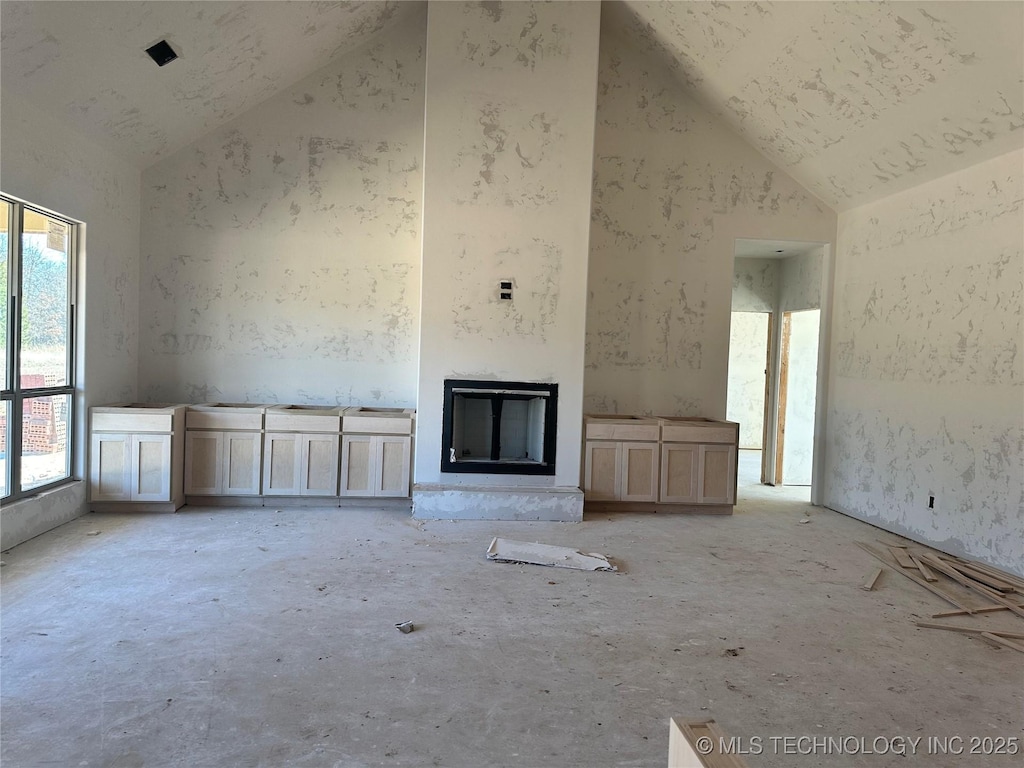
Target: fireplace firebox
{"points": [[501, 427]]}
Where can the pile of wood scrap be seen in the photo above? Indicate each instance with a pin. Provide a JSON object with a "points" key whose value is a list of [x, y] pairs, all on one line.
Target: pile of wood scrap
{"points": [[973, 588]]}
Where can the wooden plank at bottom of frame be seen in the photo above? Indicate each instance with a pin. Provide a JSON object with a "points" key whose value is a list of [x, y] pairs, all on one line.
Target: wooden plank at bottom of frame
{"points": [[698, 744]]}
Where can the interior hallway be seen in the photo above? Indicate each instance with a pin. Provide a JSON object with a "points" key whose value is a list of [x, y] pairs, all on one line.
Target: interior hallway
{"points": [[252, 637]]}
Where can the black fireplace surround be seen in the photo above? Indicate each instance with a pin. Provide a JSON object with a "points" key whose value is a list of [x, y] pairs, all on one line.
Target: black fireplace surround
{"points": [[499, 427]]}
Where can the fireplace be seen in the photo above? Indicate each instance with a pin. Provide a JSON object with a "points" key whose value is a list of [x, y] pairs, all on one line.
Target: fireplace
{"points": [[501, 427]]}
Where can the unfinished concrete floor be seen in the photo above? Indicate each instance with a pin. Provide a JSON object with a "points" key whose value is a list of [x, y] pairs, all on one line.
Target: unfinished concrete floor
{"points": [[252, 637]]}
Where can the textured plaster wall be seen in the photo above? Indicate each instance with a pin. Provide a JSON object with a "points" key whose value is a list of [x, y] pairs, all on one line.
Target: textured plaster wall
{"points": [[45, 163], [800, 282], [927, 383], [748, 349], [673, 189], [280, 253], [755, 285], [509, 126]]}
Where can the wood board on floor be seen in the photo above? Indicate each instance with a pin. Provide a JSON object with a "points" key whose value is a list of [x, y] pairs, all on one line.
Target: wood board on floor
{"points": [[699, 744]]}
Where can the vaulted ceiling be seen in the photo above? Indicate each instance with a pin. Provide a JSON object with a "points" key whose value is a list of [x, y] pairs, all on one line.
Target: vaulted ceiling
{"points": [[85, 63], [855, 100]]}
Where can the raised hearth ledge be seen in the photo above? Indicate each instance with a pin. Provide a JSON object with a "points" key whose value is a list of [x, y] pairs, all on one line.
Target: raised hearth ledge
{"points": [[467, 502]]}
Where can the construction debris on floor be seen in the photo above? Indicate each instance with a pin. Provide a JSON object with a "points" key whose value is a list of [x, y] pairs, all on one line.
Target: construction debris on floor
{"points": [[960, 583], [699, 744], [512, 551]]}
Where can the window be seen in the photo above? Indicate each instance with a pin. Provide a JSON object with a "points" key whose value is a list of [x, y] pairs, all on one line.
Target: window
{"points": [[37, 268]]}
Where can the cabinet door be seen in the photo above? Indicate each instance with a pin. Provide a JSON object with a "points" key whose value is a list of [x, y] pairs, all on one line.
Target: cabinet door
{"points": [[151, 467], [110, 467], [203, 466], [602, 470], [319, 465], [639, 479], [392, 458], [679, 472], [241, 463], [357, 460], [716, 478], [282, 463]]}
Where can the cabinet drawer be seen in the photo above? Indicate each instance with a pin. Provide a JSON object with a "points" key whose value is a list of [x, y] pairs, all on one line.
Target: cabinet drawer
{"points": [[698, 433], [621, 428], [136, 421], [218, 420], [383, 421], [289, 422]]}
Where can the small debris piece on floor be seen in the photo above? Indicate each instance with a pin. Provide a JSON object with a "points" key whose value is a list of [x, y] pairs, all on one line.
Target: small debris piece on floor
{"points": [[93, 533], [263, 549], [512, 551], [805, 520], [872, 580], [731, 652], [405, 627]]}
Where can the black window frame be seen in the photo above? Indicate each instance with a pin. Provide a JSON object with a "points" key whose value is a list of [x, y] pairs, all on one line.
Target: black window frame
{"points": [[13, 393]]}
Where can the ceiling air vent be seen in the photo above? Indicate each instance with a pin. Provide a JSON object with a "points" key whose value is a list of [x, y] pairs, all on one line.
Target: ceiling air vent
{"points": [[162, 53]]}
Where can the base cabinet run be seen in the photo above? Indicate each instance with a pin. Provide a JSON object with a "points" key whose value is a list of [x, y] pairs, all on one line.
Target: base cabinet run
{"points": [[661, 461]]}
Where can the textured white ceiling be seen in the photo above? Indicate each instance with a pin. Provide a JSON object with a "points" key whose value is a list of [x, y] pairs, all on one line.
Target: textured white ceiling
{"points": [[84, 62], [856, 100], [773, 249]]}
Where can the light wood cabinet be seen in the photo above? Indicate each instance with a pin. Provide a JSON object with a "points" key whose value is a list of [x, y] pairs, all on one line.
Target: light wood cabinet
{"points": [[621, 471], [679, 462], [136, 456], [376, 451], [223, 449], [621, 461], [300, 464], [716, 474], [698, 474], [222, 463], [698, 458], [688, 462], [376, 465]]}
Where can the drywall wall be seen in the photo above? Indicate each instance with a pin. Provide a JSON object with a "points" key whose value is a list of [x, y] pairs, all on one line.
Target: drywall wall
{"points": [[755, 285], [280, 253], [926, 396], [748, 350], [45, 163], [673, 190], [800, 281], [509, 127]]}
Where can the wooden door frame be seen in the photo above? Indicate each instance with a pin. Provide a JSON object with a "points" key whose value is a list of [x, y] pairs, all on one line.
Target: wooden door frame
{"points": [[780, 422], [766, 419]]}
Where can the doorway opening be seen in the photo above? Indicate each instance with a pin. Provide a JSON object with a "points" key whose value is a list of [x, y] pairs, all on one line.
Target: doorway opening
{"points": [[749, 388], [773, 385]]}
